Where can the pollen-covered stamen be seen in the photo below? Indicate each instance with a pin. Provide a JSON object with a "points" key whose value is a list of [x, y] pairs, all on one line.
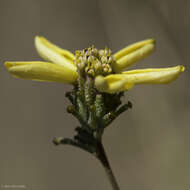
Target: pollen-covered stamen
{"points": [[93, 62]]}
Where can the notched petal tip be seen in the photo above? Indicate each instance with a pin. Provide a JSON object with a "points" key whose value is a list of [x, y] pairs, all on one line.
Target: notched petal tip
{"points": [[182, 68], [9, 64]]}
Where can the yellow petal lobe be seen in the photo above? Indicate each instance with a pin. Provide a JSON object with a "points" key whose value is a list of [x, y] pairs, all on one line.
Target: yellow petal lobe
{"points": [[53, 53], [154, 76], [130, 55], [121, 82], [41, 71], [132, 47]]}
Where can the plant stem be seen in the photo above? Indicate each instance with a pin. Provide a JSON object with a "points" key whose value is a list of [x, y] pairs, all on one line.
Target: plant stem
{"points": [[104, 160]]}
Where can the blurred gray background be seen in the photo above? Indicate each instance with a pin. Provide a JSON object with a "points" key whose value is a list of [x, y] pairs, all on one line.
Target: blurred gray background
{"points": [[148, 146]]}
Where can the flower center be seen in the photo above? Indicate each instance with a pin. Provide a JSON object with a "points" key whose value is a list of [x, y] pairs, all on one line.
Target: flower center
{"points": [[93, 62]]}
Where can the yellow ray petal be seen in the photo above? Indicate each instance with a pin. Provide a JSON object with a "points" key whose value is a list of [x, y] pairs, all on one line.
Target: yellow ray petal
{"points": [[132, 48], [154, 76], [52, 53], [41, 71], [130, 55], [67, 54], [120, 82]]}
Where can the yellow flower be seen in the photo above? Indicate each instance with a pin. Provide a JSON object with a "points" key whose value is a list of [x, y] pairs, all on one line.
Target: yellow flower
{"points": [[107, 70]]}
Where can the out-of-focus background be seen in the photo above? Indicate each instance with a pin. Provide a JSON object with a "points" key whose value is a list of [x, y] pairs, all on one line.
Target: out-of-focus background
{"points": [[148, 146]]}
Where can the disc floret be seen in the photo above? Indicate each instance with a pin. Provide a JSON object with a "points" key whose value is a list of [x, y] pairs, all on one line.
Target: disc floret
{"points": [[93, 62]]}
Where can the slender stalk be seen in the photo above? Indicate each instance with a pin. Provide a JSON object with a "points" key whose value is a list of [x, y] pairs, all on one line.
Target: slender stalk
{"points": [[101, 154]]}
